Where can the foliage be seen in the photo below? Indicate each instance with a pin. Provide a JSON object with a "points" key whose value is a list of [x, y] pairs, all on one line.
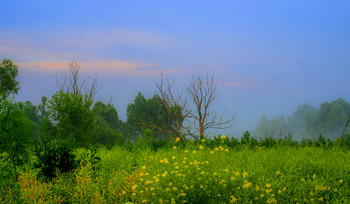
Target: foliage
{"points": [[8, 74], [15, 133], [53, 157], [104, 134], [72, 117], [148, 113]]}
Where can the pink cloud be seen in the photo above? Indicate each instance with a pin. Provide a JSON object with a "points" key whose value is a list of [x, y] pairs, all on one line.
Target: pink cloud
{"points": [[117, 67], [233, 84]]}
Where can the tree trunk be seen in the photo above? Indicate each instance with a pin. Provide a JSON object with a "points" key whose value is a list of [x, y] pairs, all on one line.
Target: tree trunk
{"points": [[347, 123]]}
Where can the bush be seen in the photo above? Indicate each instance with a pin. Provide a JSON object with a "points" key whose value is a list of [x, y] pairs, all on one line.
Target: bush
{"points": [[53, 157]]}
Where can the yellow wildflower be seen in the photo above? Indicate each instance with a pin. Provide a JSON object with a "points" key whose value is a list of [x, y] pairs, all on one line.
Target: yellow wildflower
{"points": [[203, 140], [194, 152], [314, 176], [178, 139], [302, 180], [245, 174], [174, 147], [278, 173], [143, 167], [268, 185], [223, 137], [341, 181], [201, 147]]}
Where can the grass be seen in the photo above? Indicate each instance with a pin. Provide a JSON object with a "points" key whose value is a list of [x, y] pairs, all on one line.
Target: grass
{"points": [[197, 174]]}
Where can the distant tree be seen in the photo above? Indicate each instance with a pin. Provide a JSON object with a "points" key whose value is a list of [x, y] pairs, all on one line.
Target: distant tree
{"points": [[148, 113], [8, 74], [202, 93], [275, 128], [31, 113], [106, 124], [15, 134], [330, 119], [72, 116], [42, 108]]}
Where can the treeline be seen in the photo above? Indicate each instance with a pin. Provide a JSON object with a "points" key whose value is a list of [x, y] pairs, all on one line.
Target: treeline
{"points": [[330, 120]]}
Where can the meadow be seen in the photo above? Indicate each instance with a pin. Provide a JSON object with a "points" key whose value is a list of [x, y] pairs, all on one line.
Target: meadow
{"points": [[206, 171]]}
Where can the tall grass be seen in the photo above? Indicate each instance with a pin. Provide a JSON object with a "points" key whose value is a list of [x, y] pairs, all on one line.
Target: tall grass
{"points": [[197, 172]]}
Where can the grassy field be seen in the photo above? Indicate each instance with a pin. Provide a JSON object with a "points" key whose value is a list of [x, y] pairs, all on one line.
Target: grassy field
{"points": [[197, 174]]}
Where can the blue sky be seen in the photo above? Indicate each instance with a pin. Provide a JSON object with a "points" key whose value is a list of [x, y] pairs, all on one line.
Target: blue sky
{"points": [[267, 56]]}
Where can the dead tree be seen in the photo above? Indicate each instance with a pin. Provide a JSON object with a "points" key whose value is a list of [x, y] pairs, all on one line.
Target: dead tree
{"points": [[174, 105], [71, 83], [202, 92]]}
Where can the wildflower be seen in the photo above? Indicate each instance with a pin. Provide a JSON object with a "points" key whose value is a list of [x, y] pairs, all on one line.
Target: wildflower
{"points": [[257, 188], [268, 185], [166, 161], [279, 191], [173, 157], [223, 137], [134, 187], [203, 140], [245, 174], [161, 161], [335, 190], [247, 185], [284, 189], [151, 189], [314, 176], [233, 199], [194, 152], [278, 173], [174, 189], [134, 194], [143, 167], [178, 139], [186, 151], [226, 150], [215, 173], [320, 199], [144, 201], [341, 181], [216, 149], [123, 192], [174, 147], [267, 191], [202, 173], [201, 147], [302, 180], [211, 152]]}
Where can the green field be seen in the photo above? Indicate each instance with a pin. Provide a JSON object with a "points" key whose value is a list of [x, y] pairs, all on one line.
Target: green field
{"points": [[196, 173]]}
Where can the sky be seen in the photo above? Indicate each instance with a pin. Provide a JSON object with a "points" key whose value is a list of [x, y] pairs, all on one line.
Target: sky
{"points": [[267, 56]]}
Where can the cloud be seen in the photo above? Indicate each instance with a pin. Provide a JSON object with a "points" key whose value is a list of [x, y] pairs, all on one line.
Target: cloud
{"points": [[112, 67]]}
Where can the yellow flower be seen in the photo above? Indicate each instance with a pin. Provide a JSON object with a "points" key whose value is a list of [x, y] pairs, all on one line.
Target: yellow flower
{"points": [[174, 189], [268, 185], [178, 139], [203, 140], [215, 173], [267, 191], [302, 180], [226, 150], [211, 152], [174, 147], [144, 201], [279, 191], [278, 172], [134, 187], [321, 199], [341, 181], [186, 151], [245, 174], [194, 152], [223, 137], [314, 176], [201, 147], [335, 190], [173, 157], [143, 167]]}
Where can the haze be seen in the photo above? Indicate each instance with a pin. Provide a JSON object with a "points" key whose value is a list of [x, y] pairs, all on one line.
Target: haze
{"points": [[268, 57]]}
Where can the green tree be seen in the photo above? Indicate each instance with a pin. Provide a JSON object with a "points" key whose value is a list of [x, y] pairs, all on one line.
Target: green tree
{"points": [[108, 113], [72, 117], [8, 74], [42, 108], [15, 134]]}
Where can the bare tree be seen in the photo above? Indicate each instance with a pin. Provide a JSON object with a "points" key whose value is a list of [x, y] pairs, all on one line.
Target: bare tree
{"points": [[174, 105], [71, 82], [202, 92]]}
